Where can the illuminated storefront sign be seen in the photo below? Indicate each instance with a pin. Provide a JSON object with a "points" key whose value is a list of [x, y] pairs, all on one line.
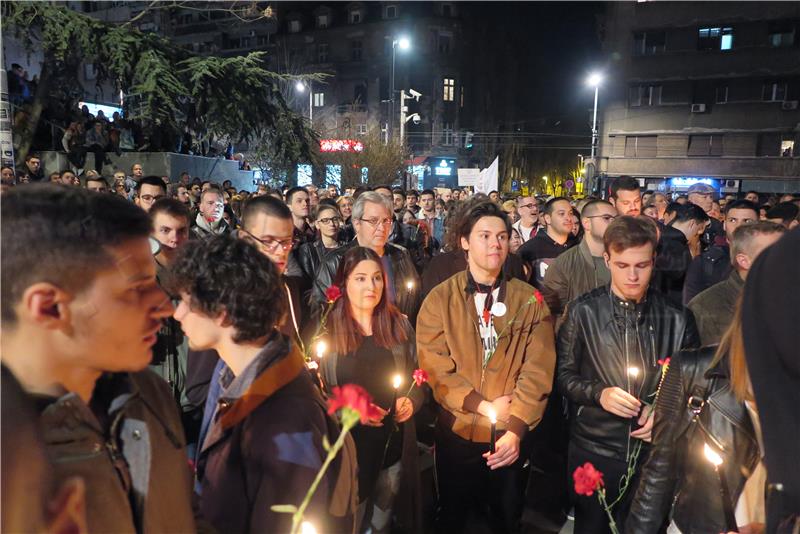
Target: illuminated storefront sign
{"points": [[688, 181], [341, 145]]}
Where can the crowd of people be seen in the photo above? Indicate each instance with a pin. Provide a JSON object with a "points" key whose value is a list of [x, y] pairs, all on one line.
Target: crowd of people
{"points": [[159, 373]]}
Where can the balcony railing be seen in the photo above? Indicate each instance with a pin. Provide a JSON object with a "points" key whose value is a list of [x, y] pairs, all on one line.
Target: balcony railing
{"points": [[351, 108]]}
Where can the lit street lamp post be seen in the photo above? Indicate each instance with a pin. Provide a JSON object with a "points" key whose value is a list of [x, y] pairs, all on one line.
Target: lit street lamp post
{"points": [[404, 43], [594, 80]]}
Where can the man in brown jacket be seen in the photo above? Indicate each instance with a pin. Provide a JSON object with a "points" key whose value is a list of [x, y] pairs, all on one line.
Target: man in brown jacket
{"points": [[487, 344]]}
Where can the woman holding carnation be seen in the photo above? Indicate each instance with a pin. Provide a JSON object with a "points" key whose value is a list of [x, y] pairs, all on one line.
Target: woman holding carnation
{"points": [[371, 343], [705, 400]]}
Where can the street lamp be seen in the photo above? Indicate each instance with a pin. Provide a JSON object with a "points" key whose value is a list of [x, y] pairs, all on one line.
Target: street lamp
{"points": [[300, 86], [404, 43], [594, 80]]}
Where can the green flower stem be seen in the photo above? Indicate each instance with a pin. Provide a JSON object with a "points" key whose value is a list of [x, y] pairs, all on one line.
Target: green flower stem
{"points": [[350, 418], [601, 496]]}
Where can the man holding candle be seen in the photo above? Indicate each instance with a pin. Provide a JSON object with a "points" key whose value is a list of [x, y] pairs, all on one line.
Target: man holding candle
{"points": [[487, 343], [608, 352]]}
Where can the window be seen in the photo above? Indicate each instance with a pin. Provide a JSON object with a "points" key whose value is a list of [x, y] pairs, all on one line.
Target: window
{"points": [[447, 10], [355, 16], [721, 94], [769, 144], [649, 43], [705, 145], [645, 95], [244, 42], [322, 53], [361, 129], [319, 100], [774, 92], [322, 21], [641, 146], [390, 12], [781, 33], [717, 38], [449, 89], [447, 134], [787, 148], [445, 40], [262, 40], [294, 26], [356, 50], [185, 18]]}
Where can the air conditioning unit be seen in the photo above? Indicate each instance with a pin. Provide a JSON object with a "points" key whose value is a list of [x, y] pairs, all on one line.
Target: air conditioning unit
{"points": [[729, 186], [698, 108], [788, 105]]}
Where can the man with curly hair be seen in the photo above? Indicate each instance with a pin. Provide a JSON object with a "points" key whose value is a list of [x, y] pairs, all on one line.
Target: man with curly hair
{"points": [[270, 419]]}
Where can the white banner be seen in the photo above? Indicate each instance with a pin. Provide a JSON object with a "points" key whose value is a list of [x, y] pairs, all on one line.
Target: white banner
{"points": [[488, 178]]}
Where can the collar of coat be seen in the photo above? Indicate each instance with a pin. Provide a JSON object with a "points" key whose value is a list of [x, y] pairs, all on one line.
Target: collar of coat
{"points": [[271, 380]]}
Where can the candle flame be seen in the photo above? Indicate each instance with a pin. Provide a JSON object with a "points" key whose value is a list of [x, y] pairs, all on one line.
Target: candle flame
{"points": [[711, 455], [633, 372], [396, 381], [492, 416], [307, 528], [410, 285], [321, 348]]}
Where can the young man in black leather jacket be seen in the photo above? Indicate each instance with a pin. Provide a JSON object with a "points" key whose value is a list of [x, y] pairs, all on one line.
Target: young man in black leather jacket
{"points": [[608, 352]]}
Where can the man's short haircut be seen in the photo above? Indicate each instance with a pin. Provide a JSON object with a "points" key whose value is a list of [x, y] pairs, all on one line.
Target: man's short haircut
{"points": [[32, 155], [266, 204], [785, 211], [741, 205], [293, 191], [62, 173], [169, 206], [372, 197], [689, 212], [549, 205], [743, 236], [475, 212], [624, 183], [212, 189], [151, 180], [428, 192], [412, 193], [96, 179], [398, 191], [135, 164], [592, 207], [627, 231], [60, 235], [227, 275]]}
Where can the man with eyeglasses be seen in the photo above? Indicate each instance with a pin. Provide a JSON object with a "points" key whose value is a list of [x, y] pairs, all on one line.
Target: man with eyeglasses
{"points": [[528, 222], [147, 190], [209, 220], [372, 220], [267, 225]]}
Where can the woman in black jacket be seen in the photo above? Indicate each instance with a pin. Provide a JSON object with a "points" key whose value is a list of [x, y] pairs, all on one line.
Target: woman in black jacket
{"points": [[705, 400], [371, 342]]}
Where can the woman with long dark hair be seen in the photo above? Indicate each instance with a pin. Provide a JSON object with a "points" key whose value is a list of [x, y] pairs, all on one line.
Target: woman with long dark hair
{"points": [[705, 402], [370, 343]]}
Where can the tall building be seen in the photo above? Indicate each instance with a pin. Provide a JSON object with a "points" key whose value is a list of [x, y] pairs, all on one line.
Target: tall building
{"points": [[702, 90]]}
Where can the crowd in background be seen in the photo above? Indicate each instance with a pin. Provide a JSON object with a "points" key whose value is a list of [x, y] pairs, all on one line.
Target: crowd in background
{"points": [[534, 311]]}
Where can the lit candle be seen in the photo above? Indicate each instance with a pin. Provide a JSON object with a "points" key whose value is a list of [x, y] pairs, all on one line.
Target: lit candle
{"points": [[397, 381], [307, 528], [321, 348], [410, 285], [633, 373], [727, 506], [493, 421]]}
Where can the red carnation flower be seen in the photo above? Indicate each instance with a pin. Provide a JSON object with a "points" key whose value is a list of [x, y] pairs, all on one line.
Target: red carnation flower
{"points": [[353, 397], [664, 362], [420, 377], [332, 294], [587, 479]]}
